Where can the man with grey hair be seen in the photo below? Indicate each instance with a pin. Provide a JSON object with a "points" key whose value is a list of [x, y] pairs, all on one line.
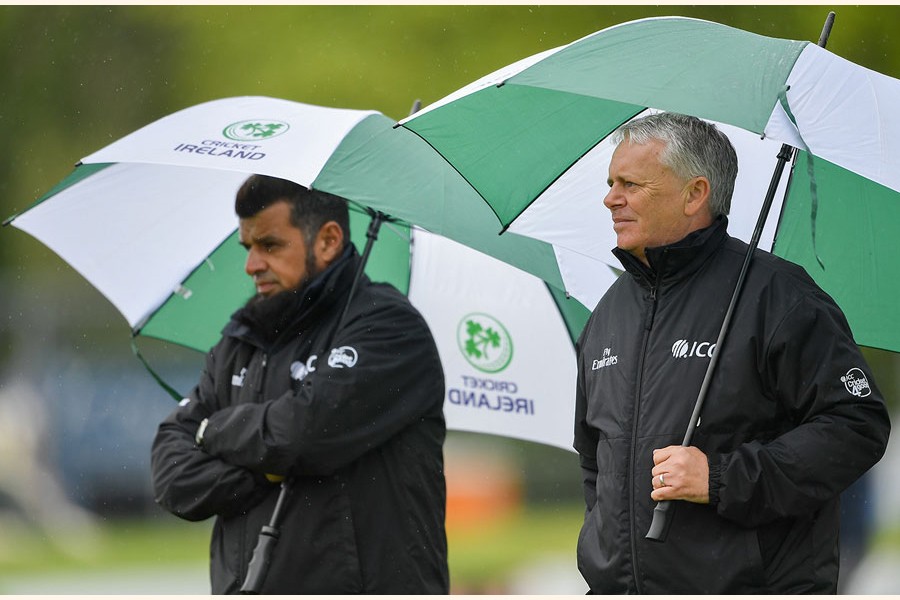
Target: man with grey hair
{"points": [[792, 417]]}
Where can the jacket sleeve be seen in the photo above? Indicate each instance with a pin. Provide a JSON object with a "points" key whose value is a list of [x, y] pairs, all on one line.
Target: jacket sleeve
{"points": [[840, 422], [341, 410], [187, 481]]}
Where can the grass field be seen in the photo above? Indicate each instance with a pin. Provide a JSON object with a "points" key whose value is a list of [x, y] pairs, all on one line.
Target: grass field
{"points": [[481, 554]]}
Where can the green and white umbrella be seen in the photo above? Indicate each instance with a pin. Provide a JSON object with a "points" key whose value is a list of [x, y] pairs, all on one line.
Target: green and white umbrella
{"points": [[147, 219], [531, 138], [149, 222]]}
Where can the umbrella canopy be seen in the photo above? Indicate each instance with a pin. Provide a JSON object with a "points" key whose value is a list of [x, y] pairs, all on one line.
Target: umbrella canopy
{"points": [[149, 221], [157, 184], [505, 341], [531, 136]]}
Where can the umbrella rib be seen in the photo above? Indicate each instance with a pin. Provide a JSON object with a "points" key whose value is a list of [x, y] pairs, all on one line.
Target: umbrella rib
{"points": [[784, 200], [136, 330], [389, 223], [464, 178], [561, 173], [386, 219]]}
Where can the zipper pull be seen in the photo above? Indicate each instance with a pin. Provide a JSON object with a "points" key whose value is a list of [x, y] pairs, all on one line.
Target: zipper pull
{"points": [[261, 378], [652, 310], [654, 287]]}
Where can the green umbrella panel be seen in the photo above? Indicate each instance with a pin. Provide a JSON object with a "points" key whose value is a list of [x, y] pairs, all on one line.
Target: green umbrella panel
{"points": [[520, 133]]}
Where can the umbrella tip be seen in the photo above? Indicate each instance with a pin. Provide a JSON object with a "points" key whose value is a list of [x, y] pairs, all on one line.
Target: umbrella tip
{"points": [[826, 30]]}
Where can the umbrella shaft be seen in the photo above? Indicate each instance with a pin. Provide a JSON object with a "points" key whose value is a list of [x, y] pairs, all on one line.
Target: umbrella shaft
{"points": [[371, 235], [259, 564], [783, 157], [659, 525]]}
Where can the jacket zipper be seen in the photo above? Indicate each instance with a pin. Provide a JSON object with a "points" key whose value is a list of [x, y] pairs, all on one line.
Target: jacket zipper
{"points": [[262, 375], [634, 433]]}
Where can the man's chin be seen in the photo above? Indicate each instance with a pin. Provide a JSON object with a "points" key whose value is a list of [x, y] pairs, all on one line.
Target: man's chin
{"points": [[260, 298], [278, 291]]}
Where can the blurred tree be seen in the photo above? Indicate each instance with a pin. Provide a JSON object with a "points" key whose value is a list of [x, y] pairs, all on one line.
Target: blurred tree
{"points": [[75, 75]]}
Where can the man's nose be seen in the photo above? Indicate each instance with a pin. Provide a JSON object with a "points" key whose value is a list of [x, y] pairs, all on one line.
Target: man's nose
{"points": [[613, 198], [254, 263]]}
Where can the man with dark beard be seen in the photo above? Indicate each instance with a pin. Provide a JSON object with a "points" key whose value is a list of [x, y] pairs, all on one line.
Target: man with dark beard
{"points": [[353, 416]]}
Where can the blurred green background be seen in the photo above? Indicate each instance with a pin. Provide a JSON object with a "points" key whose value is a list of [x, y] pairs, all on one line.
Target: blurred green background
{"points": [[76, 408]]}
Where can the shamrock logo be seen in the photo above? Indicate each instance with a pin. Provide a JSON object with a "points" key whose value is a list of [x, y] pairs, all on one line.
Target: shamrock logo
{"points": [[484, 342], [255, 130]]}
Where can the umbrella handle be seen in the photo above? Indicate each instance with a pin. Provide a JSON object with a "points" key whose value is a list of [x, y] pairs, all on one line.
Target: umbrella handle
{"points": [[259, 564], [265, 543], [659, 526]]}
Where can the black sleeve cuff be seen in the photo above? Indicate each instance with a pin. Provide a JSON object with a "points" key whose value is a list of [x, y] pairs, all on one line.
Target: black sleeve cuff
{"points": [[716, 467]]}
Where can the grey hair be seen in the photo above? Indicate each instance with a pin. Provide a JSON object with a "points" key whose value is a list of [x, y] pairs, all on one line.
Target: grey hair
{"points": [[694, 148]]}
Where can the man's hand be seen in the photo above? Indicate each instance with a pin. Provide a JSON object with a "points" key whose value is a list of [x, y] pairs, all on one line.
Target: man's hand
{"points": [[680, 473]]}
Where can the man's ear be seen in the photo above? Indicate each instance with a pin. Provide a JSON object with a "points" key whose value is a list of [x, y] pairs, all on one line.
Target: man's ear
{"points": [[329, 243], [696, 196]]}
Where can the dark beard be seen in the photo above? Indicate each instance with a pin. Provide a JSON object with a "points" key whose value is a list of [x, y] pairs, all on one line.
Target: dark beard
{"points": [[269, 319], [311, 273], [271, 316]]}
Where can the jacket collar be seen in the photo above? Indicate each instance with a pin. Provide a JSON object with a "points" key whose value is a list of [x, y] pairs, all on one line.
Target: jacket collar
{"points": [[266, 322], [674, 262]]}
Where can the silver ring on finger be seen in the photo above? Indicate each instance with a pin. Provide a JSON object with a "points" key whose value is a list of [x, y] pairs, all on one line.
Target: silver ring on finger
{"points": [[662, 482]]}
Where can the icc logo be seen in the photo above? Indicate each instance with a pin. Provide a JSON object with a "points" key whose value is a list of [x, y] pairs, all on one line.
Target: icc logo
{"points": [[686, 349]]}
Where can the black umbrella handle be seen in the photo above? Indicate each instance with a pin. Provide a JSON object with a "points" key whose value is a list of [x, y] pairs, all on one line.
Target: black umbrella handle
{"points": [[259, 564], [265, 544]]}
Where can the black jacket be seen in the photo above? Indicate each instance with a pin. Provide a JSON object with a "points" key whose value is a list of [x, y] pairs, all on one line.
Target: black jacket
{"points": [[792, 418], [355, 416]]}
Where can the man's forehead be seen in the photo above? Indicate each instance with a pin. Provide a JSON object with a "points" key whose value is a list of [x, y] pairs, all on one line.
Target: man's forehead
{"points": [[637, 155], [256, 229]]}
